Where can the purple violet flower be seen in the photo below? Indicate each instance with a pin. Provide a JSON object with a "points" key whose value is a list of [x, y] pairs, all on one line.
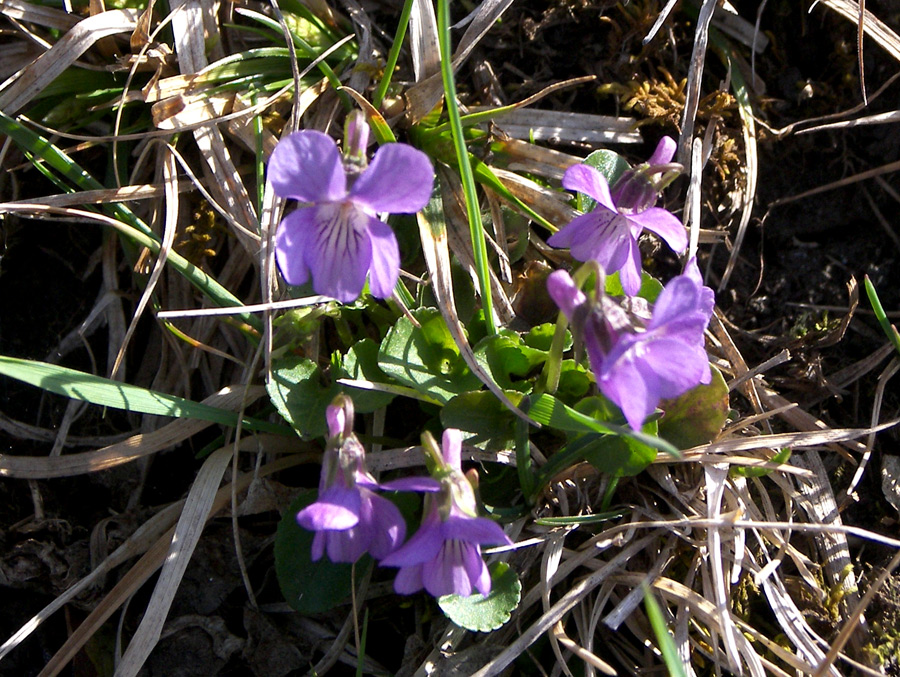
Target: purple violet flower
{"points": [[336, 239], [348, 517], [638, 369], [444, 555], [609, 233]]}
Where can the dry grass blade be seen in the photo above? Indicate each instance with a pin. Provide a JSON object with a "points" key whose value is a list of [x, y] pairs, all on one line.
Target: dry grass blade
{"points": [[36, 14], [193, 25], [169, 228], [190, 525], [876, 29], [816, 497], [138, 574], [137, 543], [29, 82], [561, 126], [43, 467], [572, 597], [425, 94], [423, 40], [437, 258], [692, 98], [105, 196]]}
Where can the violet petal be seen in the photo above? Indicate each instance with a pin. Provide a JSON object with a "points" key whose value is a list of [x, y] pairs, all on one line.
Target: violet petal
{"points": [[292, 239], [388, 526], [421, 484], [385, 267], [564, 293], [337, 508], [585, 179], [409, 580], [306, 166], [665, 151], [474, 530], [623, 382], [424, 545], [447, 575], [664, 224], [340, 251], [398, 180], [451, 447], [630, 272], [477, 569]]}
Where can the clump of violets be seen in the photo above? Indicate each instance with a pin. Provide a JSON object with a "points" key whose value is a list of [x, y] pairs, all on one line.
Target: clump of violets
{"points": [[636, 367], [609, 234], [444, 555], [349, 518], [336, 238]]}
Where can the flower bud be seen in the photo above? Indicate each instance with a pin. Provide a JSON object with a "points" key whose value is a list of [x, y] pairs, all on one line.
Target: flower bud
{"points": [[356, 140]]}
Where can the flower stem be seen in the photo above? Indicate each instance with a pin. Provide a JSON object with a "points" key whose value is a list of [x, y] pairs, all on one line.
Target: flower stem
{"points": [[476, 228], [393, 55]]}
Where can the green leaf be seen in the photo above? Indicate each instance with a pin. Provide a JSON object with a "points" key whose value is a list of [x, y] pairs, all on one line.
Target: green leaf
{"points": [[504, 356], [650, 286], [361, 363], [309, 587], [485, 421], [426, 358], [697, 416], [541, 337], [611, 165], [574, 380], [301, 394], [104, 392], [621, 456], [549, 411], [483, 613]]}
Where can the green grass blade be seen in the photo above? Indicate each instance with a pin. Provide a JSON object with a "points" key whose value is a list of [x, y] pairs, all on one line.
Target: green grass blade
{"points": [[666, 643], [132, 227], [889, 329], [393, 55], [479, 246], [104, 392]]}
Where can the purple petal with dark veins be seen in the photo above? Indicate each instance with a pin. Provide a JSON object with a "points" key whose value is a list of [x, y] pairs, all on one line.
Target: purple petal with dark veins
{"points": [[664, 224], [340, 251]]}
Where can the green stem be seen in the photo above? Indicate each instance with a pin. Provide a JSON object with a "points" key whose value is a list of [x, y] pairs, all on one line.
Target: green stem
{"points": [[393, 55], [479, 246]]}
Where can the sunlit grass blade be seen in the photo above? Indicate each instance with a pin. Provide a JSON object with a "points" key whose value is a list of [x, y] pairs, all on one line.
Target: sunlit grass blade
{"points": [[308, 50], [473, 211], [666, 644], [133, 227], [889, 329], [393, 55], [104, 392]]}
